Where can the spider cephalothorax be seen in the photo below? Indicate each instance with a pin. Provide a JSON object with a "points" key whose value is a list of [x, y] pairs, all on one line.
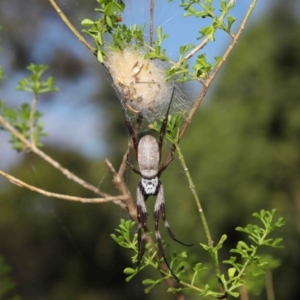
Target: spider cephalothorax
{"points": [[148, 153], [149, 186]]}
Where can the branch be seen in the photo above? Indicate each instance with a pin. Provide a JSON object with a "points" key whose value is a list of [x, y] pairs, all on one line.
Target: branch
{"points": [[123, 189], [71, 27], [151, 22], [269, 285], [212, 77], [196, 49], [20, 183], [51, 161], [206, 40]]}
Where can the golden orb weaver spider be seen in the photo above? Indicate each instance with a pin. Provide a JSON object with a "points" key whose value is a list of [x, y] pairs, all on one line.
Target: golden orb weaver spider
{"points": [[148, 153]]}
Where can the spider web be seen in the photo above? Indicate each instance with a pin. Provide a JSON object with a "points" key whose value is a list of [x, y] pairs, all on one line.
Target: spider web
{"points": [[141, 85]]}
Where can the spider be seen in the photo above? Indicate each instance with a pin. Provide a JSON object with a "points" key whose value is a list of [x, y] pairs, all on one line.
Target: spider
{"points": [[148, 153]]}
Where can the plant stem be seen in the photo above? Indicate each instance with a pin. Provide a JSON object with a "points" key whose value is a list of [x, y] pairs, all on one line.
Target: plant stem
{"points": [[70, 25], [21, 183], [50, 160], [151, 22], [166, 273], [269, 285], [193, 189], [249, 260], [213, 75], [200, 209]]}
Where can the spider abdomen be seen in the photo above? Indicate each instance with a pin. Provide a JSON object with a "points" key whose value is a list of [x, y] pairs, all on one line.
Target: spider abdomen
{"points": [[149, 186], [148, 156]]}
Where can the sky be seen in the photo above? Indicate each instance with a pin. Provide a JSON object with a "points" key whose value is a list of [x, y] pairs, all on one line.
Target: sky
{"points": [[70, 110]]}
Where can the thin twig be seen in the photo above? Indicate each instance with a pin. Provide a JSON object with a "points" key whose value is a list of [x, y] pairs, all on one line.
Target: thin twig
{"points": [[212, 77], [193, 189], [151, 21], [21, 183], [123, 189], [201, 212], [123, 165], [51, 161], [243, 293], [196, 49], [206, 40], [71, 27], [269, 285]]}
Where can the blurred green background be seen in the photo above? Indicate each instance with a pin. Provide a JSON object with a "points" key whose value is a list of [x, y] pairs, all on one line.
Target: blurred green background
{"points": [[242, 149]]}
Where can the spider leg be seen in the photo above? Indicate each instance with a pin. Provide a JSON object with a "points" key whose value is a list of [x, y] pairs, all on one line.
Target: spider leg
{"points": [[159, 242], [131, 131], [166, 163], [134, 140], [160, 207], [132, 167], [142, 223], [164, 126]]}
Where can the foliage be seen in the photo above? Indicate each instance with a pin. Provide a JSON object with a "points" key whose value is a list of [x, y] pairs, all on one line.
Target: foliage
{"points": [[241, 266], [20, 119], [110, 23], [122, 36], [34, 83], [6, 284], [173, 126], [26, 119], [259, 237], [207, 10]]}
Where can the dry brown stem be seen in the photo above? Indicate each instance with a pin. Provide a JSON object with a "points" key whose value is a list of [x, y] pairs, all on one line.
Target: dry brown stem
{"points": [[21, 183]]}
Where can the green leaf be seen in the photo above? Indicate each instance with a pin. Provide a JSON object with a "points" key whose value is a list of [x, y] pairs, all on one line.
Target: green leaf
{"points": [[109, 9], [231, 272], [174, 290], [100, 56], [230, 21], [34, 83], [109, 21], [220, 243], [151, 284], [129, 271], [148, 281], [223, 5], [114, 237], [243, 245], [205, 247], [159, 33], [87, 22], [20, 118], [276, 243], [185, 48], [128, 278], [234, 294]]}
